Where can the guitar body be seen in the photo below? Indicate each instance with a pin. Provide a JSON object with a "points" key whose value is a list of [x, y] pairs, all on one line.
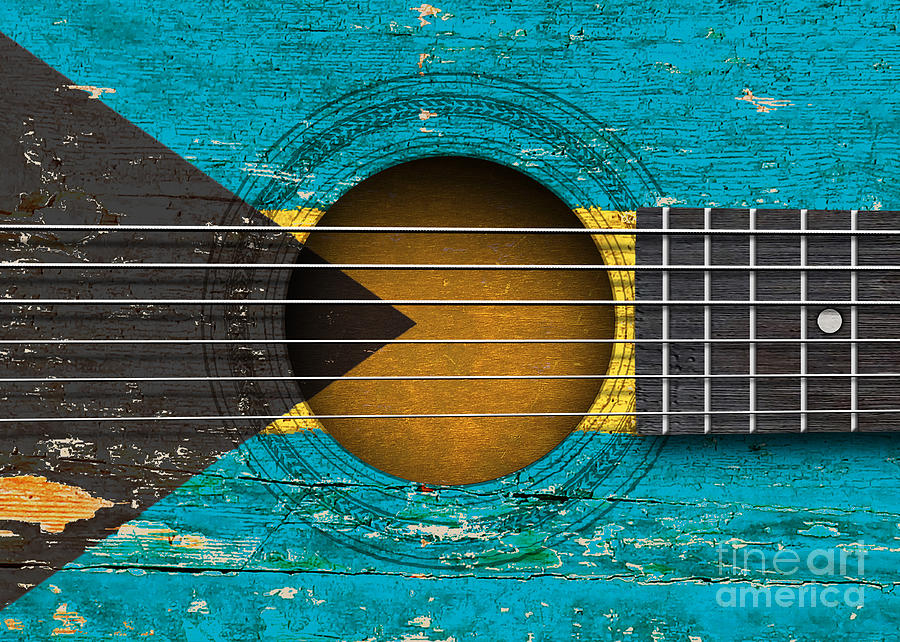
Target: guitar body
{"points": [[266, 433]]}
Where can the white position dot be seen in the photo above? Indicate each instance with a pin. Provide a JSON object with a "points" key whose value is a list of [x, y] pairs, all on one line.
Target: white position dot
{"points": [[829, 321]]}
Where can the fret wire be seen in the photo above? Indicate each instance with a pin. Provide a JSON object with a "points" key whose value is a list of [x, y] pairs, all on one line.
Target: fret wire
{"points": [[837, 411], [804, 354], [854, 329], [707, 325], [752, 322], [665, 323], [423, 230]]}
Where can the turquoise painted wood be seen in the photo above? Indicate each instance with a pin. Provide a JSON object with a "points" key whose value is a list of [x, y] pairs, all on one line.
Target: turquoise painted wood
{"points": [[725, 104], [221, 82], [228, 557]]}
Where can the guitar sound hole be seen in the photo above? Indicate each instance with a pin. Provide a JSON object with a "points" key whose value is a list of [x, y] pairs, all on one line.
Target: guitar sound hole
{"points": [[456, 191]]}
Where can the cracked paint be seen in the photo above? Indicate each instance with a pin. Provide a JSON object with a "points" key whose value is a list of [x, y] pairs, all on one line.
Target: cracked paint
{"points": [[35, 499]]}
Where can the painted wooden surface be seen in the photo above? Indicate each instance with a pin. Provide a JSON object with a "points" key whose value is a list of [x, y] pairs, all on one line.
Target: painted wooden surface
{"points": [[788, 105], [777, 356]]}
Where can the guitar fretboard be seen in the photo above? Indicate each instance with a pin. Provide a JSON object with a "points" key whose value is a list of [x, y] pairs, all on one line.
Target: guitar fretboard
{"points": [[786, 325]]}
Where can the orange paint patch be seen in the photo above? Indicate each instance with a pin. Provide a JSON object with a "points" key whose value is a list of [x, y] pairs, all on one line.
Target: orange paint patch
{"points": [[34, 499], [189, 541], [425, 11], [70, 621], [13, 625], [163, 534]]}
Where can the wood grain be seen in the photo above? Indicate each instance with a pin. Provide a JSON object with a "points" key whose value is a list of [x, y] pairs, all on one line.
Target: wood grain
{"points": [[220, 83]]}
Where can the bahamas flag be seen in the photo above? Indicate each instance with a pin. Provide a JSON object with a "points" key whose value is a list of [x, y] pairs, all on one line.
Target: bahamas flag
{"points": [[162, 474]]}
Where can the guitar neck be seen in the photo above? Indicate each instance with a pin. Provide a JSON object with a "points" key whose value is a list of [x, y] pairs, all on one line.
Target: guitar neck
{"points": [[766, 320]]}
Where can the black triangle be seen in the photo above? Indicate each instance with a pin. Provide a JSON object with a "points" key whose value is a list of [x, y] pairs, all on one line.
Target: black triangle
{"points": [[67, 158]]}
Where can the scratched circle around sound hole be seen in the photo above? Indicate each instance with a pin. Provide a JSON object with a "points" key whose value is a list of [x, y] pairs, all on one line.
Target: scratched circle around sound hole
{"points": [[358, 136]]}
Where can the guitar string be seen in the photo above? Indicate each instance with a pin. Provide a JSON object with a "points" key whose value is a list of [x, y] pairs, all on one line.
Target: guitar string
{"points": [[774, 375], [447, 266], [473, 341], [31, 227], [636, 413], [451, 302]]}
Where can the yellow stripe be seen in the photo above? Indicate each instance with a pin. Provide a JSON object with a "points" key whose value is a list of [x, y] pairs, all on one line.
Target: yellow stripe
{"points": [[306, 217], [302, 217], [616, 395]]}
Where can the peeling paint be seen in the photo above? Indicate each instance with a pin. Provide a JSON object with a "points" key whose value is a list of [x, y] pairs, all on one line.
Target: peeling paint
{"points": [[285, 593], [763, 103], [169, 546], [13, 625], [785, 482], [441, 532], [95, 92], [34, 499], [161, 533], [422, 621], [425, 11], [198, 606], [70, 621]]}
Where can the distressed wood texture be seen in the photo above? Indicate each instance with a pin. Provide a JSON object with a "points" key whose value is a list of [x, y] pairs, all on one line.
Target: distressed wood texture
{"points": [[611, 536]]}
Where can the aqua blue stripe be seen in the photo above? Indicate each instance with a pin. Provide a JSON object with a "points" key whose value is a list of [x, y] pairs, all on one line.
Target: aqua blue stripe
{"points": [[664, 75]]}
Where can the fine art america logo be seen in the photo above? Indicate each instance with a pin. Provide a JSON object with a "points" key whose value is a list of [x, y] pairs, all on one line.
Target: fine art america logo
{"points": [[828, 569]]}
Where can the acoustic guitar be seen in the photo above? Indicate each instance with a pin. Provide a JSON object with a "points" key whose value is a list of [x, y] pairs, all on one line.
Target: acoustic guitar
{"points": [[444, 316]]}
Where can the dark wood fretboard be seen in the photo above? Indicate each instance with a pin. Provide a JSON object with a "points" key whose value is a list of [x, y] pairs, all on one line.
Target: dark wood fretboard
{"points": [[744, 349]]}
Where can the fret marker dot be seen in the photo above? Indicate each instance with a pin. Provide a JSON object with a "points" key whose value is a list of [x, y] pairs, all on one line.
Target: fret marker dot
{"points": [[829, 321]]}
